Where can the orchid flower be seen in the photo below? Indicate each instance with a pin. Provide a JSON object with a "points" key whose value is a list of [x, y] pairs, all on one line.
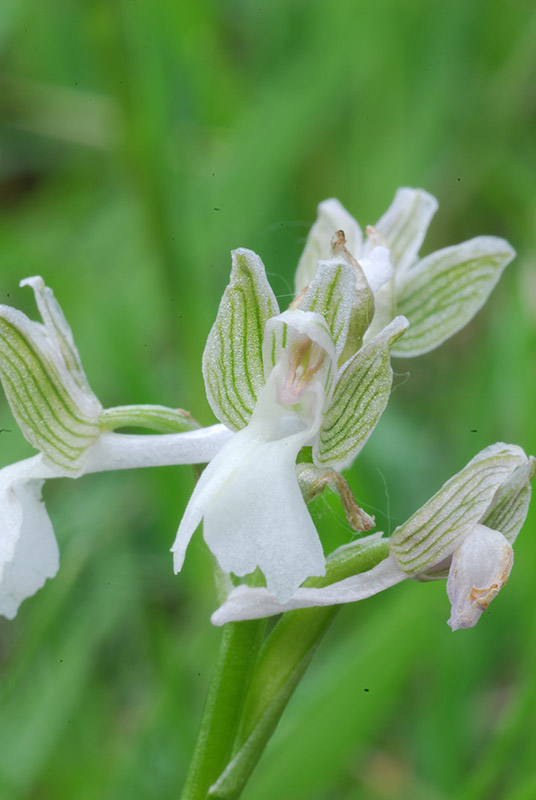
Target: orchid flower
{"points": [[439, 294], [60, 416], [278, 381], [464, 532]]}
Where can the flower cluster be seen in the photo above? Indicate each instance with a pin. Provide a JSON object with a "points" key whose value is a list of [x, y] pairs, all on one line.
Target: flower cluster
{"points": [[297, 394]]}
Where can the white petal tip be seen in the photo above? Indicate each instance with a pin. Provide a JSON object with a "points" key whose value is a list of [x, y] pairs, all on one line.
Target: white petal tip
{"points": [[36, 282], [377, 267], [460, 621], [178, 560], [331, 205]]}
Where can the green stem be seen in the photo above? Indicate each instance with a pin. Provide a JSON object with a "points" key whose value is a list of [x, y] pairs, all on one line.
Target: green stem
{"points": [[284, 658], [238, 654]]}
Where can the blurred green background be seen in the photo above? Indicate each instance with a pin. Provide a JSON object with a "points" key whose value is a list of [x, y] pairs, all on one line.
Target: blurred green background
{"points": [[139, 143]]}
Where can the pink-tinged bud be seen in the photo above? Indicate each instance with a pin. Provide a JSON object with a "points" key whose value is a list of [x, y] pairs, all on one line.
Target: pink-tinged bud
{"points": [[480, 567]]}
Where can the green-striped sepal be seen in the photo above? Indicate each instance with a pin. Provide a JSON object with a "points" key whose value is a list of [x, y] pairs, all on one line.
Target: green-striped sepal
{"points": [[45, 384], [359, 399], [442, 293], [232, 361], [492, 490], [403, 226], [330, 294]]}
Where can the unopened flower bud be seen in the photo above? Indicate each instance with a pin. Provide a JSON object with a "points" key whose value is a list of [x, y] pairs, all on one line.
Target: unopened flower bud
{"points": [[480, 567]]}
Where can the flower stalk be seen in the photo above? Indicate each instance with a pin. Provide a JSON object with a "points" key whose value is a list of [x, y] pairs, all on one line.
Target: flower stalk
{"points": [[221, 716], [283, 659]]}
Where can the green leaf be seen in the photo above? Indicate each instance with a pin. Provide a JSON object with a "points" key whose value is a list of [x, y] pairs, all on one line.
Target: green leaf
{"points": [[232, 361], [436, 529], [359, 400], [331, 294], [441, 293]]}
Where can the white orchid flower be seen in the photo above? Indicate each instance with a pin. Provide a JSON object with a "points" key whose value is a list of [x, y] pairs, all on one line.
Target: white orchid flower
{"points": [[28, 549], [439, 294], [275, 379], [465, 531], [58, 414]]}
